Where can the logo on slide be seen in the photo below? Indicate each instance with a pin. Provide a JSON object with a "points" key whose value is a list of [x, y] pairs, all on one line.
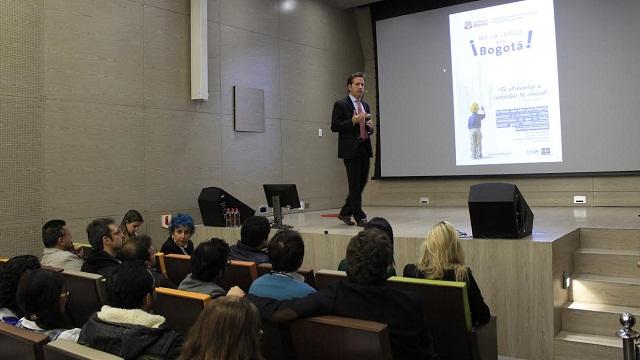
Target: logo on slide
{"points": [[468, 25]]}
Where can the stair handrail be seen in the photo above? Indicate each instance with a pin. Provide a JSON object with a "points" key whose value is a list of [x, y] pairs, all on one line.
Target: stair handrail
{"points": [[630, 347]]}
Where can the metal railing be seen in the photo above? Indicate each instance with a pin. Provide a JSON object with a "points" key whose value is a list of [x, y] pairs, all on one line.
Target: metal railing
{"points": [[630, 345]]}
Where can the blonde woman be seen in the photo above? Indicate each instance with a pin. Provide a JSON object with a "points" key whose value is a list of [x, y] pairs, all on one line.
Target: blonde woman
{"points": [[442, 259]]}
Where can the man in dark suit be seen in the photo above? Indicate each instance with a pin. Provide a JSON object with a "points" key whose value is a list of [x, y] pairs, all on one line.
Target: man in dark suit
{"points": [[351, 120]]}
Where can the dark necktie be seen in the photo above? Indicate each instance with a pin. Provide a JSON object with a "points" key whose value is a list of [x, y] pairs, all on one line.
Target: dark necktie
{"points": [[363, 131]]}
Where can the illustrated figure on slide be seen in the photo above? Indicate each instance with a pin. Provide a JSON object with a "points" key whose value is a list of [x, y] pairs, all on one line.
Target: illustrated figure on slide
{"points": [[475, 132]]}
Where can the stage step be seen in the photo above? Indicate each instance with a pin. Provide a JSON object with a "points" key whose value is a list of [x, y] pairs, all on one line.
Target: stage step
{"points": [[596, 319], [576, 346], [602, 289], [614, 239], [607, 262]]}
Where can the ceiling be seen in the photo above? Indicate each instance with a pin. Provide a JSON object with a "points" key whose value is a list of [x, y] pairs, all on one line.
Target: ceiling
{"points": [[347, 4]]}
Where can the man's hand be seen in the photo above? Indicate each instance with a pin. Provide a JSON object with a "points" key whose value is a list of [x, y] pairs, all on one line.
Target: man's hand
{"points": [[355, 119], [369, 124], [236, 291]]}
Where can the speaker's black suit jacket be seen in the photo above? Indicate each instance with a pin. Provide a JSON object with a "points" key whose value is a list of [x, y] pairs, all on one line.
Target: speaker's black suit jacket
{"points": [[341, 123]]}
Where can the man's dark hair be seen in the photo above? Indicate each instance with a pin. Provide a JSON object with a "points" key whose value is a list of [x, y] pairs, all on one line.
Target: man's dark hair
{"points": [[136, 249], [10, 274], [355, 75], [52, 230], [96, 230], [128, 284], [286, 251], [255, 229], [381, 224], [209, 259], [368, 257]]}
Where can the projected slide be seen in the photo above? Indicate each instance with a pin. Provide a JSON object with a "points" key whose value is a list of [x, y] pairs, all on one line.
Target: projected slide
{"points": [[505, 84]]}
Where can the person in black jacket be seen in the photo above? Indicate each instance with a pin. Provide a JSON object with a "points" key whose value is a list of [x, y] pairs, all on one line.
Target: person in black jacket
{"points": [[106, 241], [442, 259], [125, 328], [364, 295], [180, 230], [351, 119]]}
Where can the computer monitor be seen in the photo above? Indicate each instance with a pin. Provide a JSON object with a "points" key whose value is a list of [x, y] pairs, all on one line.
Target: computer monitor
{"points": [[279, 196]]}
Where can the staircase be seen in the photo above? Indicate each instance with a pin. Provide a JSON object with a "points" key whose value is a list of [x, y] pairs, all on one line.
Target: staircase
{"points": [[605, 283]]}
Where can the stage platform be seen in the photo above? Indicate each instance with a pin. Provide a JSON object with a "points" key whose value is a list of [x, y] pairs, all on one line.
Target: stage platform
{"points": [[520, 279]]}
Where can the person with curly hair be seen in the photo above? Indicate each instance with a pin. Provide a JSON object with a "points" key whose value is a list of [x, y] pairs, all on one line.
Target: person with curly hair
{"points": [[180, 230], [10, 274], [364, 295]]}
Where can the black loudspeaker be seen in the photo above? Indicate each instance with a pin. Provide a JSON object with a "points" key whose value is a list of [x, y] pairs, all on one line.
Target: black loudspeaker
{"points": [[499, 211], [213, 201]]}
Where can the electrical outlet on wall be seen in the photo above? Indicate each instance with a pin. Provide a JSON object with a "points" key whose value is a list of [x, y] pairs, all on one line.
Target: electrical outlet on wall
{"points": [[424, 200], [580, 199]]}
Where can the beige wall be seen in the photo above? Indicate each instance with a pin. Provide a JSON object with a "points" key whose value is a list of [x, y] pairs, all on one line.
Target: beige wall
{"points": [[549, 191], [96, 115]]}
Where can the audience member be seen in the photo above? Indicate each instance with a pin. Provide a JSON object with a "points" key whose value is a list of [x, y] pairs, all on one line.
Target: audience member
{"points": [[208, 261], [442, 259], [42, 296], [254, 235], [59, 251], [106, 241], [286, 252], [125, 328], [227, 329], [140, 248], [10, 274], [180, 230], [383, 225], [130, 224], [364, 295]]}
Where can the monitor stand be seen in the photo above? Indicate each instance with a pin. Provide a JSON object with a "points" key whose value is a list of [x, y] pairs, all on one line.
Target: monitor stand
{"points": [[277, 215]]}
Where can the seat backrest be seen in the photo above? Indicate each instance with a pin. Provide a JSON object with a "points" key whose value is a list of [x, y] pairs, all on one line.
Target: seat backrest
{"points": [[238, 273], [87, 295], [339, 338], [446, 310], [160, 263], [180, 308], [69, 350], [17, 343], [177, 267], [309, 276], [326, 277]]}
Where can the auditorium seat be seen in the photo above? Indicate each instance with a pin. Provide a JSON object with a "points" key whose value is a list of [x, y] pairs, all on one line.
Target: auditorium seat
{"points": [[326, 277], [177, 267], [446, 308], [69, 350], [238, 273], [16, 343], [160, 263], [87, 295], [309, 276], [180, 308], [339, 338]]}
